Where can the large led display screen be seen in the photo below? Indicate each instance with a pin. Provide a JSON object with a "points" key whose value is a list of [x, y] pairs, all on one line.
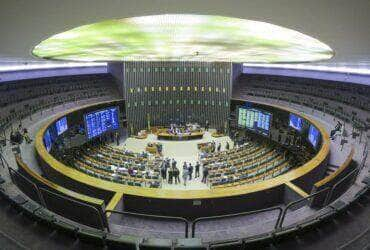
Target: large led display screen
{"points": [[313, 136], [295, 122], [254, 119], [183, 37], [61, 125], [47, 140], [101, 121]]}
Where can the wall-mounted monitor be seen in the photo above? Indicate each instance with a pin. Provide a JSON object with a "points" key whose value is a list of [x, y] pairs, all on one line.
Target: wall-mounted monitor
{"points": [[313, 136], [61, 125], [47, 140], [254, 119], [296, 122], [101, 121]]}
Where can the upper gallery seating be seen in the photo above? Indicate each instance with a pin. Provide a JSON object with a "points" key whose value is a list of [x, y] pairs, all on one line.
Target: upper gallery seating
{"points": [[350, 102], [19, 99]]}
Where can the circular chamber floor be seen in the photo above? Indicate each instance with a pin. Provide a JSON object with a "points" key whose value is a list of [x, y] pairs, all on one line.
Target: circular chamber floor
{"points": [[181, 151]]}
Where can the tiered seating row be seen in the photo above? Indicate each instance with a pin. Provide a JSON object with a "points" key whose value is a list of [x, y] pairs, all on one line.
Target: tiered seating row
{"points": [[24, 98], [236, 153], [328, 98], [110, 164], [249, 163], [355, 95]]}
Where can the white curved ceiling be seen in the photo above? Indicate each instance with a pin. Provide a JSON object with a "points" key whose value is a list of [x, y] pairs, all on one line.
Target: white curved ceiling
{"points": [[343, 25]]}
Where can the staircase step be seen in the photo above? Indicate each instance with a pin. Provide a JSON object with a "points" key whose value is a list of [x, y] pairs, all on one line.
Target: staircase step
{"points": [[331, 169]]}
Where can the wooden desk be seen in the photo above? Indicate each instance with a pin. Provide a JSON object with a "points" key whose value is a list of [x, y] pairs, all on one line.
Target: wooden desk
{"points": [[181, 137], [216, 135]]}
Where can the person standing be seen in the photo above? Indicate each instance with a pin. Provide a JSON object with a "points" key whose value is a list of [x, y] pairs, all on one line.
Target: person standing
{"points": [[112, 137], [227, 145], [26, 136], [205, 174], [164, 171], [170, 175], [219, 147], [117, 137], [190, 170], [206, 127], [213, 147], [176, 173], [185, 173], [197, 166]]}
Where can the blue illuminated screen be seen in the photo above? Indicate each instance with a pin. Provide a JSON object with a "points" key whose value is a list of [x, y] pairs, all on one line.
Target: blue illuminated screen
{"points": [[254, 119], [101, 121], [61, 125], [295, 122], [47, 140], [313, 136]]}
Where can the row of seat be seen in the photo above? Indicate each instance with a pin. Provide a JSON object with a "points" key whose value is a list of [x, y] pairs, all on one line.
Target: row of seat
{"points": [[250, 163], [355, 95], [26, 104], [334, 105], [252, 174], [119, 167], [35, 212], [15, 92], [237, 153]]}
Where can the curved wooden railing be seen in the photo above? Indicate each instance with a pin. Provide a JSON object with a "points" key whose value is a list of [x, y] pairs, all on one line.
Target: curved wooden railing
{"points": [[336, 173], [72, 205], [332, 179], [319, 159]]}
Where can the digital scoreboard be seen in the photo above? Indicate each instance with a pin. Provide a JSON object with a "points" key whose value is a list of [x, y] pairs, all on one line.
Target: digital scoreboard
{"points": [[254, 119], [61, 125], [101, 121]]}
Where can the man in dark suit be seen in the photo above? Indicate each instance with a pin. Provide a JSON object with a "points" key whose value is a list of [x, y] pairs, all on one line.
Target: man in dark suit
{"points": [[205, 174], [190, 169], [170, 175], [176, 175], [197, 166]]}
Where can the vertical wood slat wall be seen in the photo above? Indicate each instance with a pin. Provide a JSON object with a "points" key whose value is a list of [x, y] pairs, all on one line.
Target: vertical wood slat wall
{"points": [[166, 92]]}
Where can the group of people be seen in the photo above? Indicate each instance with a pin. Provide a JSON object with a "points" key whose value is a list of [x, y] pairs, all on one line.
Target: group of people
{"points": [[17, 136], [183, 129], [218, 148], [187, 171], [211, 147], [171, 173]]}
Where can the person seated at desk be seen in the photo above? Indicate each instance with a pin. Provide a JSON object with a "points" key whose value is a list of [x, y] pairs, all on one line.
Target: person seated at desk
{"points": [[115, 176], [132, 172], [149, 173], [122, 170]]}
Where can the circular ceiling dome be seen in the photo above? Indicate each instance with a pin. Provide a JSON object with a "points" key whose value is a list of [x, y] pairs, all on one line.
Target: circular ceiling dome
{"points": [[183, 37]]}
